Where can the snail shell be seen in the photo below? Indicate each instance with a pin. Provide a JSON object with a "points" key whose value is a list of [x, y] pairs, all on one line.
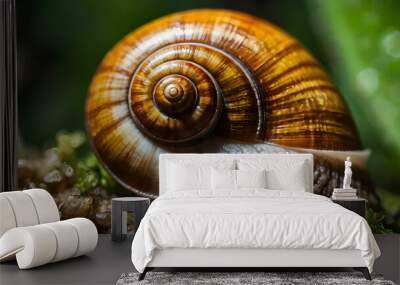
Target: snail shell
{"points": [[199, 80]]}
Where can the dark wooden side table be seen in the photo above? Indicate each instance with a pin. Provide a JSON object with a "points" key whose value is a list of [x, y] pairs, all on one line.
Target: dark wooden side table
{"points": [[358, 205], [119, 213]]}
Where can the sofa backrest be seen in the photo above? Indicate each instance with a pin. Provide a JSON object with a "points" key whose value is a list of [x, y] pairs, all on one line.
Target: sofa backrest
{"points": [[26, 208]]}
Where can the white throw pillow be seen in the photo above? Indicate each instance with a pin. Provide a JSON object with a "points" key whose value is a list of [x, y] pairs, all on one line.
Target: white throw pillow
{"points": [[223, 179], [181, 177], [251, 178], [226, 179], [293, 180], [282, 174], [193, 174]]}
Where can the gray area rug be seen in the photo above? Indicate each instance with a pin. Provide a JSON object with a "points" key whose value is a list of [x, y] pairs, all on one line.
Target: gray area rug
{"points": [[233, 278]]}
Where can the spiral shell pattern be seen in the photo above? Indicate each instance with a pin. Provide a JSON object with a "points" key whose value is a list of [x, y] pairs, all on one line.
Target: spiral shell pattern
{"points": [[178, 82]]}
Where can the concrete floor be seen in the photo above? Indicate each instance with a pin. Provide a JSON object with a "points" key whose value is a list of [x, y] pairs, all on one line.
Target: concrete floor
{"points": [[103, 266], [110, 259]]}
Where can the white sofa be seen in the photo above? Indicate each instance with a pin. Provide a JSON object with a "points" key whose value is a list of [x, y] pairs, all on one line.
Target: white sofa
{"points": [[31, 230]]}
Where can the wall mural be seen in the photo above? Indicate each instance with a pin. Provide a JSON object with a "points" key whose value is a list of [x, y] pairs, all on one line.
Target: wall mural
{"points": [[104, 88], [216, 81]]}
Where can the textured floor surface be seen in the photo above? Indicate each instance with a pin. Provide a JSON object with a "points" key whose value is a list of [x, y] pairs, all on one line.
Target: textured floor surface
{"points": [[110, 259], [102, 266], [243, 278]]}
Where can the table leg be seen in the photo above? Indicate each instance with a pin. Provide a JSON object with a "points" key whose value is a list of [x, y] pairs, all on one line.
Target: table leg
{"points": [[116, 221]]}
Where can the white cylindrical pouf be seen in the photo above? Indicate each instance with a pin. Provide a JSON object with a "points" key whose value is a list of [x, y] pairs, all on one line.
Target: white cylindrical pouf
{"points": [[33, 246], [7, 218], [23, 208], [87, 234], [67, 240], [30, 230], [37, 245], [46, 208]]}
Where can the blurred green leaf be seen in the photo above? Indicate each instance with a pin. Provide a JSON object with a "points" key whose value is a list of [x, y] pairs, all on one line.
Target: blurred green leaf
{"points": [[375, 221], [67, 145], [88, 170], [362, 41]]}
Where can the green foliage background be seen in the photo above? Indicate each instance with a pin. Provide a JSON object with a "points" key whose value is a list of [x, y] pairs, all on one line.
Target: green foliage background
{"points": [[358, 41]]}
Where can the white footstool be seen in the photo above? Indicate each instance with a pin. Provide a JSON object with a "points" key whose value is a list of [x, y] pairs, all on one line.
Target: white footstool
{"points": [[31, 231]]}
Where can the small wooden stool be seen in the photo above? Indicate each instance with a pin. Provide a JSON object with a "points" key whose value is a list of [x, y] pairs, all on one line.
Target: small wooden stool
{"points": [[119, 213]]}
